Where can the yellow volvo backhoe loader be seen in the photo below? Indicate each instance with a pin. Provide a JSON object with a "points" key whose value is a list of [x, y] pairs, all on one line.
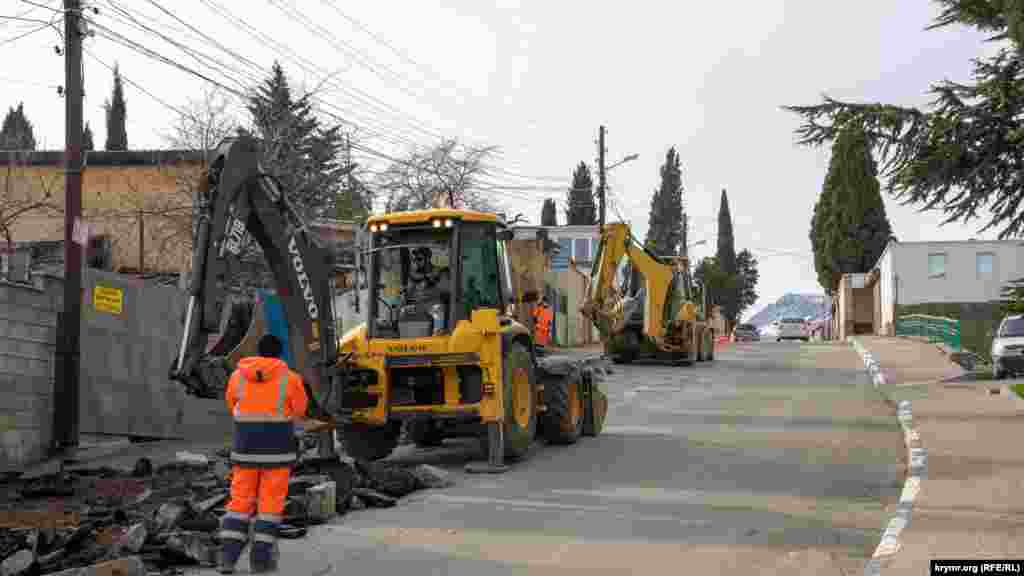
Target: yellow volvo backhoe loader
{"points": [[645, 305], [440, 347]]}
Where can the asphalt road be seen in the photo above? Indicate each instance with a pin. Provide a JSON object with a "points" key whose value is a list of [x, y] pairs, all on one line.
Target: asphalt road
{"points": [[778, 458]]}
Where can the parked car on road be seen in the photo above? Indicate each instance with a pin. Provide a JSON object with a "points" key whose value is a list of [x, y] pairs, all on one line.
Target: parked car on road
{"points": [[1008, 347], [793, 329], [745, 333]]}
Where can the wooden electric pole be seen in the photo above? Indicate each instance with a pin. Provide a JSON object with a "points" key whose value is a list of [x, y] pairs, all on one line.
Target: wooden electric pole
{"points": [[67, 397], [601, 190]]}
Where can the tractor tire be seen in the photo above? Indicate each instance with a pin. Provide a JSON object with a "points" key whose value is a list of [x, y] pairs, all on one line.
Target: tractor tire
{"points": [[518, 369], [710, 357], [369, 443], [563, 419], [424, 433]]}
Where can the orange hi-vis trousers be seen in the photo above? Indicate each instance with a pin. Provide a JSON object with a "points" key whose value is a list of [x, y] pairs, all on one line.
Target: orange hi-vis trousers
{"points": [[260, 491]]}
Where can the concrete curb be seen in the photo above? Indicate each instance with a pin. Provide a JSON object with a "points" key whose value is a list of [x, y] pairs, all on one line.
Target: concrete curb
{"points": [[916, 456]]}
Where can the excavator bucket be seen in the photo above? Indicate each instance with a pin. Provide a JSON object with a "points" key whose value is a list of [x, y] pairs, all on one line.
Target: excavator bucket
{"points": [[245, 323]]}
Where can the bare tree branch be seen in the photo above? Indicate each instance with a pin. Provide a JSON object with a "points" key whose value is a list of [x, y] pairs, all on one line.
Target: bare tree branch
{"points": [[442, 176]]}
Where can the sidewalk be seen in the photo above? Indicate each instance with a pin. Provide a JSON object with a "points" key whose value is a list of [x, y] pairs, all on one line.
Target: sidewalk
{"points": [[969, 504]]}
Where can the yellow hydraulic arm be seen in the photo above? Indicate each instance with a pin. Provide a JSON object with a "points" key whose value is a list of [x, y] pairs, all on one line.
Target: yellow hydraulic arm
{"points": [[603, 302]]}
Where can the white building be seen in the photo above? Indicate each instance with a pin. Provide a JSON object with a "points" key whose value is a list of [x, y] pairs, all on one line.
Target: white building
{"points": [[969, 271], [579, 241]]}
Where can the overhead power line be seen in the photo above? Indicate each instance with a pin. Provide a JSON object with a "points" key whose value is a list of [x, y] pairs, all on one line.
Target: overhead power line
{"points": [[222, 73]]}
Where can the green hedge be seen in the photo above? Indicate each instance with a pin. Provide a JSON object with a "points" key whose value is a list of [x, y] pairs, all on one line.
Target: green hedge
{"points": [[978, 322]]}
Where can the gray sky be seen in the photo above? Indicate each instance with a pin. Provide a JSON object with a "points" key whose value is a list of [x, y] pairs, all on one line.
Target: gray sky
{"points": [[538, 78]]}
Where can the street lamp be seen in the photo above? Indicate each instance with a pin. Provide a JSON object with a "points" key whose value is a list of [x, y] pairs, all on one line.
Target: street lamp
{"points": [[686, 249], [623, 161]]}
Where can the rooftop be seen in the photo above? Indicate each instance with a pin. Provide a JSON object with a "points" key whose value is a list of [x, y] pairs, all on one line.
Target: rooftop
{"points": [[101, 157]]}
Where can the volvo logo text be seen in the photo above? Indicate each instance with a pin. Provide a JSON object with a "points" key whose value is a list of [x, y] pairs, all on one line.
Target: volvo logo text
{"points": [[304, 284]]}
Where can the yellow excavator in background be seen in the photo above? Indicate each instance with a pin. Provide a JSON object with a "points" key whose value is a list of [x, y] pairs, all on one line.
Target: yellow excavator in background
{"points": [[646, 305]]}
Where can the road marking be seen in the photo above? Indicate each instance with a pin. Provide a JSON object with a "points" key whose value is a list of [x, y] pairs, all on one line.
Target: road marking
{"points": [[916, 454], [911, 488]]}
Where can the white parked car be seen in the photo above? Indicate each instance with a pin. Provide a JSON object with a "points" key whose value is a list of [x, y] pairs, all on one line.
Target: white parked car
{"points": [[793, 329], [1008, 347]]}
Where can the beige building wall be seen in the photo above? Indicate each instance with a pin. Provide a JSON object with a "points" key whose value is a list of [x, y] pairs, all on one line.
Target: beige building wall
{"points": [[147, 205]]}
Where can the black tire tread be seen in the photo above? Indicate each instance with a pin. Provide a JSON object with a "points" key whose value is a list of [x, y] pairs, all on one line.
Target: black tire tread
{"points": [[556, 398], [517, 443]]}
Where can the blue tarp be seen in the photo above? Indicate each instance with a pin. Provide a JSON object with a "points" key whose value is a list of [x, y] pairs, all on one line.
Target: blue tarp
{"points": [[273, 315]]}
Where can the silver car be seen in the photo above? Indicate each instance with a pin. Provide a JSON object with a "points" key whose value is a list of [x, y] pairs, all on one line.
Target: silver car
{"points": [[793, 329], [1008, 347]]}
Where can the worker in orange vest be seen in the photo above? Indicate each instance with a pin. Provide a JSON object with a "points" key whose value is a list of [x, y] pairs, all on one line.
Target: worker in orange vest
{"points": [[542, 322], [265, 398]]}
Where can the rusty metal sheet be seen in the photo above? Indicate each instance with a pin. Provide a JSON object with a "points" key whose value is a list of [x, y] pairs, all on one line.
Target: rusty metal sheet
{"points": [[55, 518]]}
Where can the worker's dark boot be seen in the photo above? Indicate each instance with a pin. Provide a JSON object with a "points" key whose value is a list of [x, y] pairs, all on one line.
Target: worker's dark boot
{"points": [[264, 552], [234, 534]]}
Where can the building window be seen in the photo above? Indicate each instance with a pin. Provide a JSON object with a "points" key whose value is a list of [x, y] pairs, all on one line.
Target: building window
{"points": [[936, 265], [560, 261], [985, 264], [582, 249]]}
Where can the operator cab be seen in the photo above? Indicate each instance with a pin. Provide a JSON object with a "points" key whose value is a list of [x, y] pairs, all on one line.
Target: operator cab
{"points": [[429, 269]]}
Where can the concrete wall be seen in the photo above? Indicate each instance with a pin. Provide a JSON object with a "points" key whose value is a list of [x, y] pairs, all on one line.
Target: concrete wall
{"points": [[886, 303], [28, 334], [125, 360], [961, 282]]}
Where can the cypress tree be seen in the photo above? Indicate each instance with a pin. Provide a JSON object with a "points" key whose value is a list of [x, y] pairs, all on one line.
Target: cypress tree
{"points": [[726, 253], [117, 136], [849, 228], [665, 229], [725, 257], [87, 143], [549, 213], [581, 210], [16, 132]]}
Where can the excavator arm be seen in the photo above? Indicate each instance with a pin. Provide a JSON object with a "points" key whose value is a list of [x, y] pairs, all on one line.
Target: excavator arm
{"points": [[237, 198], [606, 307]]}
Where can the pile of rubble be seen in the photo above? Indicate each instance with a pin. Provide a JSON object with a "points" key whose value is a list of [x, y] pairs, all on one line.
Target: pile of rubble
{"points": [[158, 519]]}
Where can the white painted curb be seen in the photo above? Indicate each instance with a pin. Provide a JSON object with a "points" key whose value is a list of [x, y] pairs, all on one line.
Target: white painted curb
{"points": [[916, 456]]}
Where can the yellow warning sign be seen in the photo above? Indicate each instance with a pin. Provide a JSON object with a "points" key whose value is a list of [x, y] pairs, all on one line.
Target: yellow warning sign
{"points": [[106, 299]]}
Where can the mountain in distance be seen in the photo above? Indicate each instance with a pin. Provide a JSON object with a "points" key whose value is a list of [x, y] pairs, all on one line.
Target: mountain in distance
{"points": [[811, 306]]}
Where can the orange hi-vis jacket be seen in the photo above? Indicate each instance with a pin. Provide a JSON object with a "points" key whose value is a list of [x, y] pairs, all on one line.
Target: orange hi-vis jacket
{"points": [[265, 398], [542, 323]]}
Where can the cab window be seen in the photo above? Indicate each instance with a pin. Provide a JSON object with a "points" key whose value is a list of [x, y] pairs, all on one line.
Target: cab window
{"points": [[479, 269]]}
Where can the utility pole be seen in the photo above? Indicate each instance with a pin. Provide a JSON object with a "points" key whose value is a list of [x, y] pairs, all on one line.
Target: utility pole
{"points": [[67, 401], [601, 190]]}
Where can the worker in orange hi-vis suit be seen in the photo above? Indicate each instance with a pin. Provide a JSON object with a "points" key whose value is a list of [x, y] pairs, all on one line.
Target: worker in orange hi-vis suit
{"points": [[265, 398], [542, 322]]}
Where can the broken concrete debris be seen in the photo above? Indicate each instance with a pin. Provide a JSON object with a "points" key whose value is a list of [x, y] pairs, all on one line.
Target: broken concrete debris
{"points": [[17, 563], [153, 519]]}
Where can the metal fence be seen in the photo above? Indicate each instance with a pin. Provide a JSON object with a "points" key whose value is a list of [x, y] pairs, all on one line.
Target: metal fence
{"points": [[934, 328]]}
